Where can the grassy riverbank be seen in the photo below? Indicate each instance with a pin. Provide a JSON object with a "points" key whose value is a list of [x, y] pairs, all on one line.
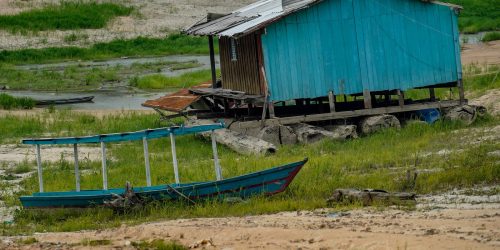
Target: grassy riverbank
{"points": [[477, 16], [174, 44], [84, 77], [10, 102], [379, 161], [64, 16]]}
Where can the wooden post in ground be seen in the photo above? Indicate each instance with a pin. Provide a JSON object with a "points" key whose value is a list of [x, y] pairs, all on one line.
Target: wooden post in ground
{"points": [[331, 101], [212, 61], [367, 99], [271, 110], [461, 92], [401, 98], [432, 94]]}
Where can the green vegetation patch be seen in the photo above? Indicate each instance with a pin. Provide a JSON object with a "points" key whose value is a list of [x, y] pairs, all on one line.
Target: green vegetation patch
{"points": [[171, 45], [65, 16], [158, 244], [11, 102], [386, 158], [478, 15], [164, 82], [491, 36]]}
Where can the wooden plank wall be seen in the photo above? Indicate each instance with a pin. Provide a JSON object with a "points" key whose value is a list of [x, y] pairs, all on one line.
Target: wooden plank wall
{"points": [[242, 74]]}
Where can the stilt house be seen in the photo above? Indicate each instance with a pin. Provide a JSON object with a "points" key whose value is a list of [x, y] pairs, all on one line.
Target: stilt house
{"points": [[297, 52]]}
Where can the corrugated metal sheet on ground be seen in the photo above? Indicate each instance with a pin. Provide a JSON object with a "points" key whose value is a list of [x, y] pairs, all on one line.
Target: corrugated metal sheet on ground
{"points": [[347, 46], [176, 102]]}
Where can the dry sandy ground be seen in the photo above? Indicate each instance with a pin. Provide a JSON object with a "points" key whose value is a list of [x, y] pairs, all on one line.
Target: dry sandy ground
{"points": [[482, 53], [359, 229], [154, 18]]}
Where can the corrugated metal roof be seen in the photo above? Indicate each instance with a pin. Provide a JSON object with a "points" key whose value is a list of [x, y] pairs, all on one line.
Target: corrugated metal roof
{"points": [[250, 18], [176, 102], [258, 15]]}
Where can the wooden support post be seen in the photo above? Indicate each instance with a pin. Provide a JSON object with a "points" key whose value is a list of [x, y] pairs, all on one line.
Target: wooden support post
{"points": [[218, 170], [174, 158], [401, 98], [367, 99], [39, 165], [387, 98], [146, 161], [331, 101], [461, 92], [212, 61], [77, 170], [432, 94], [271, 110], [104, 169]]}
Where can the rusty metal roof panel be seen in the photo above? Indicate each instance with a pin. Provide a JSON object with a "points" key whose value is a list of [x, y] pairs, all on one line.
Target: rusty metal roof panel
{"points": [[176, 102]]}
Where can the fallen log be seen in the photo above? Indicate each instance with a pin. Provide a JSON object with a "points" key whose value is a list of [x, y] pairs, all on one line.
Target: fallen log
{"points": [[237, 141], [368, 196], [310, 134], [373, 124], [278, 135]]}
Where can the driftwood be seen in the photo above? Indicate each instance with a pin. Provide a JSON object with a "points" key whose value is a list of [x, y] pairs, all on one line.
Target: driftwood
{"points": [[343, 131], [238, 142], [465, 113], [376, 123], [368, 196], [125, 201], [278, 135], [310, 134]]}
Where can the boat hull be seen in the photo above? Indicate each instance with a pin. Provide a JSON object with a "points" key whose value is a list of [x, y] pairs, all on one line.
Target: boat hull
{"points": [[266, 182], [64, 101]]}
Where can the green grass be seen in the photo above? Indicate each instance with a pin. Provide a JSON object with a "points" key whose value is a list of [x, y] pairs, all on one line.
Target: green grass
{"points": [[158, 245], [65, 16], [164, 82], [492, 36], [80, 77], [11, 102], [477, 80], [478, 15], [171, 45], [385, 157]]}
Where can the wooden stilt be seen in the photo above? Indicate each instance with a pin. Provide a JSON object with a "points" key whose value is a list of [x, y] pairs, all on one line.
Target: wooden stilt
{"points": [[367, 99], [401, 98], [331, 101], [271, 110], [212, 61], [432, 94], [461, 92]]}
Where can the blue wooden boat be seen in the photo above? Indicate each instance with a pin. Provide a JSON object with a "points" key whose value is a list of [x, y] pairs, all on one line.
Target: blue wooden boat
{"points": [[266, 182]]}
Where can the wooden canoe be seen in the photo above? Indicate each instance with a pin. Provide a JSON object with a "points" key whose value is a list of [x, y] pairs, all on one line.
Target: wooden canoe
{"points": [[266, 182], [64, 101]]}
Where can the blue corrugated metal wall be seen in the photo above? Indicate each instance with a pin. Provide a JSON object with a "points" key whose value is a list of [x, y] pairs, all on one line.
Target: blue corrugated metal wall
{"points": [[351, 45]]}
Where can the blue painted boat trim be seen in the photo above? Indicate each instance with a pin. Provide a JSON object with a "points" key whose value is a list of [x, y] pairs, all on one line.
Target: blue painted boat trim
{"points": [[129, 136]]}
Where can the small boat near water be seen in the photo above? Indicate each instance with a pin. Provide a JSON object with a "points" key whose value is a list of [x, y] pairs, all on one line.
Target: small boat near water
{"points": [[267, 182], [64, 101]]}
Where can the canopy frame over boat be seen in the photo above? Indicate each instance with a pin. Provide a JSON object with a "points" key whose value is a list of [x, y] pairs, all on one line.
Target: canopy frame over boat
{"points": [[143, 135], [265, 182]]}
